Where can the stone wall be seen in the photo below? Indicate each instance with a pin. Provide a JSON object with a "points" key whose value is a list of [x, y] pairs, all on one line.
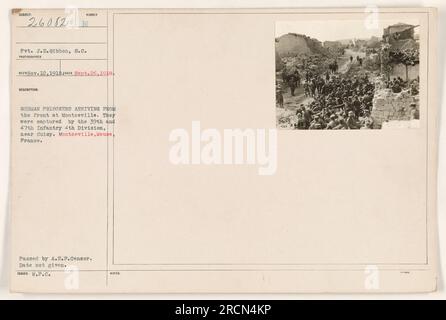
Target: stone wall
{"points": [[388, 106], [291, 45], [399, 70]]}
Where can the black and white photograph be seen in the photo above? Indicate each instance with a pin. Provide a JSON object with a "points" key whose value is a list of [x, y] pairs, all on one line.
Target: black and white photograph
{"points": [[345, 74]]}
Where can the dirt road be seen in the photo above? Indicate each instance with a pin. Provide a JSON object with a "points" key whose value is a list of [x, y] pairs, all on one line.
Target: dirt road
{"points": [[344, 60], [291, 103]]}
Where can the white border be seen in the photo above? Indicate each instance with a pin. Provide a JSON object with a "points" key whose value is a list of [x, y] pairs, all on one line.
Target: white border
{"points": [[7, 5]]}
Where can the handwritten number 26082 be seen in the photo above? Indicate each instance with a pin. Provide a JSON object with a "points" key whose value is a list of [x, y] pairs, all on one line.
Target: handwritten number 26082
{"points": [[58, 22]]}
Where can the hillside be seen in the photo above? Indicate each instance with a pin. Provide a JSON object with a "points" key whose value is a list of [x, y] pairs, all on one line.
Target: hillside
{"points": [[292, 44]]}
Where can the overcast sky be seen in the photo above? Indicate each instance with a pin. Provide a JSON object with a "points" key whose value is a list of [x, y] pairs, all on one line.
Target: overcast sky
{"points": [[336, 29]]}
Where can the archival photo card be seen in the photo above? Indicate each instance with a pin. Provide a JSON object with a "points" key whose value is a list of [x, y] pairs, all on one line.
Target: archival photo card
{"points": [[154, 150]]}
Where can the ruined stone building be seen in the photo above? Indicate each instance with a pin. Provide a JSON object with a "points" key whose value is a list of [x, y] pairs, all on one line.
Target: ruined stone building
{"points": [[399, 31]]}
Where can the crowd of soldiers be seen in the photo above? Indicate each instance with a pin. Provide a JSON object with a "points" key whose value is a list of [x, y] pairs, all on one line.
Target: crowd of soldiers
{"points": [[291, 79], [338, 102], [398, 84]]}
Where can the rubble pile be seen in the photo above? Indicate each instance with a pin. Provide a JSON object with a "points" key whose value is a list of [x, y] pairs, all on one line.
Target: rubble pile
{"points": [[388, 106], [285, 118], [395, 124]]}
